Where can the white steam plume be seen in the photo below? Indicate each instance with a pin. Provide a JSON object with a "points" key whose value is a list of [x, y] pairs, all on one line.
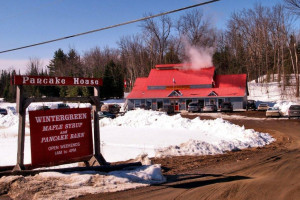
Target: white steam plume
{"points": [[199, 57]]}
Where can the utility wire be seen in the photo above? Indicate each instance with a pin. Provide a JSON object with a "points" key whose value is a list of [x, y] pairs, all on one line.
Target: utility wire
{"points": [[109, 27]]}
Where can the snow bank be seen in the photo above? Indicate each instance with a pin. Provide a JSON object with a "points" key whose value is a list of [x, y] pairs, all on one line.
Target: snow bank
{"points": [[55, 185], [173, 135], [284, 106]]}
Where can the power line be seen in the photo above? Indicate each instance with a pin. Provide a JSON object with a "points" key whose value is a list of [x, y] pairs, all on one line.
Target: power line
{"points": [[109, 27]]}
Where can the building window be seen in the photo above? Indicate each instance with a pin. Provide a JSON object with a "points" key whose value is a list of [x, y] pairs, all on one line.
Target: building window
{"points": [[166, 101], [212, 101], [159, 104], [220, 101], [201, 102], [148, 104], [137, 103]]}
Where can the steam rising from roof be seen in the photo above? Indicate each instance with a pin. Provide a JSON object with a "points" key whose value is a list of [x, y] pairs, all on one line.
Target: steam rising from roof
{"points": [[199, 57]]}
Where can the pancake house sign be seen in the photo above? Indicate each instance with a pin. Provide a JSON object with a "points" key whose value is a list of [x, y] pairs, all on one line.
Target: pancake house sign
{"points": [[61, 135], [46, 80], [58, 138]]}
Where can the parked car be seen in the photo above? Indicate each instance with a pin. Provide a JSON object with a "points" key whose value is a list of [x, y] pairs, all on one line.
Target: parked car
{"points": [[226, 107], [251, 105], [273, 112], [114, 108], [294, 111], [104, 114], [3, 111], [101, 104], [169, 109], [42, 108], [60, 106], [194, 107], [210, 108], [263, 107]]}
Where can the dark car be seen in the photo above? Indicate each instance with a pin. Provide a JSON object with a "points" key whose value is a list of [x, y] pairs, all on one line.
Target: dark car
{"points": [[194, 107], [170, 109], [294, 111], [3, 111], [104, 114], [114, 108], [251, 105], [42, 108], [101, 104], [60, 106], [226, 107]]}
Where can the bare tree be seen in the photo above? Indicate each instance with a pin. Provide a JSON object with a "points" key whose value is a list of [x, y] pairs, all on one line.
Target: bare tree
{"points": [[260, 39], [293, 6], [134, 57], [34, 66], [157, 34], [294, 61], [95, 60], [197, 29]]}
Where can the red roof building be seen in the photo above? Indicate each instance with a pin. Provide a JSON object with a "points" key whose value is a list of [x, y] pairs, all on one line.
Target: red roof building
{"points": [[178, 85]]}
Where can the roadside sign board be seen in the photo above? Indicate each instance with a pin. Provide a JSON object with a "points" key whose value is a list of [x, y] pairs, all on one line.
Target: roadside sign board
{"points": [[60, 136], [47, 80]]}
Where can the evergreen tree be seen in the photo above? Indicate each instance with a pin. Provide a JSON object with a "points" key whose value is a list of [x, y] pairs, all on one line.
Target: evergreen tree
{"points": [[108, 81], [57, 64], [113, 81]]}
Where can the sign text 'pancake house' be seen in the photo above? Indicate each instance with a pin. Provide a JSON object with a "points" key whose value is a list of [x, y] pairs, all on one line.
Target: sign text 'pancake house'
{"points": [[46, 80]]}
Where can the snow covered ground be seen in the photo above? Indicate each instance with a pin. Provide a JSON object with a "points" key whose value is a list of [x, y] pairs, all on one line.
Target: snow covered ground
{"points": [[274, 95], [138, 133]]}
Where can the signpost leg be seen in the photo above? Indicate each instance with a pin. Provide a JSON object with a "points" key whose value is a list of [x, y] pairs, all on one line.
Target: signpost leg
{"points": [[97, 158], [21, 129]]}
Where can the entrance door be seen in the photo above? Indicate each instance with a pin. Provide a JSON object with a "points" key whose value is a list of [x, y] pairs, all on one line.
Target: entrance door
{"points": [[220, 101], [212, 101], [187, 103], [201, 103], [148, 104], [175, 103], [159, 104]]}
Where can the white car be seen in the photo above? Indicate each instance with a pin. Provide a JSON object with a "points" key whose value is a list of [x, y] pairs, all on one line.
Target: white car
{"points": [[273, 112], [263, 107], [210, 108]]}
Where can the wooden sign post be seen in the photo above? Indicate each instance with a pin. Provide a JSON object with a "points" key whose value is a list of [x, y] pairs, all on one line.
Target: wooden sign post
{"points": [[23, 103]]}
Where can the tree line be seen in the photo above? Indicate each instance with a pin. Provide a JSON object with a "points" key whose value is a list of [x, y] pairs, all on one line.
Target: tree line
{"points": [[261, 42]]}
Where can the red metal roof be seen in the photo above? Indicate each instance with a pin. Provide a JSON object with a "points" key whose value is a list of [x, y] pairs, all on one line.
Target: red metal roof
{"points": [[140, 87], [233, 80], [225, 85], [181, 77]]}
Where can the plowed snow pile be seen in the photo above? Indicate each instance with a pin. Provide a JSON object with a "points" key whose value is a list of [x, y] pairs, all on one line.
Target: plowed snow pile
{"points": [[174, 135], [54, 185]]}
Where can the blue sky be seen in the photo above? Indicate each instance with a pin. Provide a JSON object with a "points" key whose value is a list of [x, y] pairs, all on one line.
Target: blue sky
{"points": [[24, 22]]}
